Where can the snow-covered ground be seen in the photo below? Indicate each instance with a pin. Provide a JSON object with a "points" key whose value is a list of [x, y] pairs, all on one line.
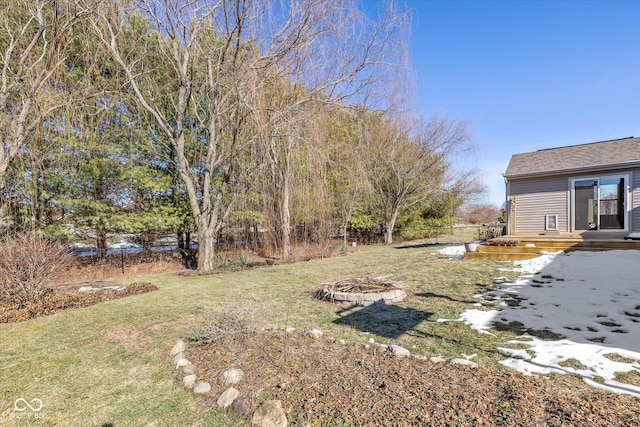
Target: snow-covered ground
{"points": [[592, 299], [161, 245], [453, 251]]}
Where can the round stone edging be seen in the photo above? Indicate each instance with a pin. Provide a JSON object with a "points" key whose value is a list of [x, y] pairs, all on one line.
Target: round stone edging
{"points": [[391, 296], [190, 379], [268, 413]]}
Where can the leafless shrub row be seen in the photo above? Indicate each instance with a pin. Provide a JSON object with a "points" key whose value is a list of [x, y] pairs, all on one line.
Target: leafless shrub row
{"points": [[27, 264]]}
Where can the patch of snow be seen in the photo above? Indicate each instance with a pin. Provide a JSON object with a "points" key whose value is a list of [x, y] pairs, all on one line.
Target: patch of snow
{"points": [[83, 249], [454, 251], [591, 299], [124, 245]]}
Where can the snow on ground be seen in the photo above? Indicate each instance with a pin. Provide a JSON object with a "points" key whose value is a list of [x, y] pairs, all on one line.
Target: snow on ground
{"points": [[586, 305], [454, 251], [123, 247]]}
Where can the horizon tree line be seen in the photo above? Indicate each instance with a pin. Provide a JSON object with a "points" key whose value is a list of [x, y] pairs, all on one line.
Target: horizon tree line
{"points": [[218, 120]]}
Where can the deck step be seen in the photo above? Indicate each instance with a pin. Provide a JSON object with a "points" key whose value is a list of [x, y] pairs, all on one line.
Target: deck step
{"points": [[531, 247], [517, 249], [500, 256]]}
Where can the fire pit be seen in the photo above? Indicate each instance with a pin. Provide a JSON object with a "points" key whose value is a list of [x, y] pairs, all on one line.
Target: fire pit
{"points": [[361, 291]]}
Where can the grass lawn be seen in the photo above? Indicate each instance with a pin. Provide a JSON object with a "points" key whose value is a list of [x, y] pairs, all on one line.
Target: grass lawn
{"points": [[107, 365]]}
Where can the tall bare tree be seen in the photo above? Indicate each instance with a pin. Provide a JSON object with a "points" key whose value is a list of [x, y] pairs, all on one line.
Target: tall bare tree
{"points": [[409, 163], [215, 56], [339, 58], [185, 61], [33, 37]]}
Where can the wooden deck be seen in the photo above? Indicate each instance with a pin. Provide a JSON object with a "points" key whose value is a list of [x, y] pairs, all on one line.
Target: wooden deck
{"points": [[526, 246]]}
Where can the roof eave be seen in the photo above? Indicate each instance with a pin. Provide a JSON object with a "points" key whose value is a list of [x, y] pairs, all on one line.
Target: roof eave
{"points": [[598, 168]]}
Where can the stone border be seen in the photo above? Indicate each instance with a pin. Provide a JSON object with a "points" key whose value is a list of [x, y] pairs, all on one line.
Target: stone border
{"points": [[362, 299], [270, 413]]}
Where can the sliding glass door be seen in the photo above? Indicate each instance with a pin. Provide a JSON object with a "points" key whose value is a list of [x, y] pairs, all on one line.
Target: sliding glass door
{"points": [[599, 203]]}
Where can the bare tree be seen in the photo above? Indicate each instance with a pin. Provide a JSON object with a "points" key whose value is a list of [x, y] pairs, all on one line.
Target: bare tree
{"points": [[481, 213], [185, 63], [339, 56], [32, 49], [214, 58], [408, 164]]}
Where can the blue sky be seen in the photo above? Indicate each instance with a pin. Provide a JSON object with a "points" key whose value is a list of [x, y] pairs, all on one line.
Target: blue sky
{"points": [[528, 75]]}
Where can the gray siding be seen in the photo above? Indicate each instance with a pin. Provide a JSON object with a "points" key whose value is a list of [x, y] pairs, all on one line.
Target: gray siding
{"points": [[535, 198], [635, 200]]}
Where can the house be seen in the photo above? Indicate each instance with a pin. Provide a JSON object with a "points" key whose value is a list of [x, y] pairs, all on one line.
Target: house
{"points": [[589, 189]]}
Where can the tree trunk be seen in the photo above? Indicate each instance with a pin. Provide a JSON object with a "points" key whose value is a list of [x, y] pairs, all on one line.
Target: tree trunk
{"points": [[206, 245], [101, 243], [285, 218], [389, 226]]}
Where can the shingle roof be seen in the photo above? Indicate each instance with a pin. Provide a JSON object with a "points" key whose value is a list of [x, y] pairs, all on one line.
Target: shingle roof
{"points": [[597, 155]]}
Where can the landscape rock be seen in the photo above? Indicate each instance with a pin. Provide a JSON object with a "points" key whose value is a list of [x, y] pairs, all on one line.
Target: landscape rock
{"points": [[270, 414], [241, 406], [177, 357], [178, 347], [189, 369], [463, 362], [227, 397], [232, 376], [289, 330], [315, 333], [202, 387], [182, 362], [189, 380], [438, 359], [399, 351]]}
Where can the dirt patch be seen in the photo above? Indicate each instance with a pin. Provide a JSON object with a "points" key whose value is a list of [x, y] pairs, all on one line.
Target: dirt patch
{"points": [[323, 381], [86, 269], [65, 298]]}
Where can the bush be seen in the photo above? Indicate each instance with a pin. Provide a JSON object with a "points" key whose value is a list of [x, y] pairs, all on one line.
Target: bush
{"points": [[27, 265], [414, 226], [226, 327]]}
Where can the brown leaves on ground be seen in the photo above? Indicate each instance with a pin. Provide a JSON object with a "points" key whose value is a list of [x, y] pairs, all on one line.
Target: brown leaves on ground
{"points": [[62, 299], [321, 381]]}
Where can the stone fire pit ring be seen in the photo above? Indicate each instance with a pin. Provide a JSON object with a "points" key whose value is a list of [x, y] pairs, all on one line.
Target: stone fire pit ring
{"points": [[362, 291]]}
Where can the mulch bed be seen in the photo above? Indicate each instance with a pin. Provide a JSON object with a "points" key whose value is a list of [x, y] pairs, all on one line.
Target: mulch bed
{"points": [[64, 298], [326, 382]]}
